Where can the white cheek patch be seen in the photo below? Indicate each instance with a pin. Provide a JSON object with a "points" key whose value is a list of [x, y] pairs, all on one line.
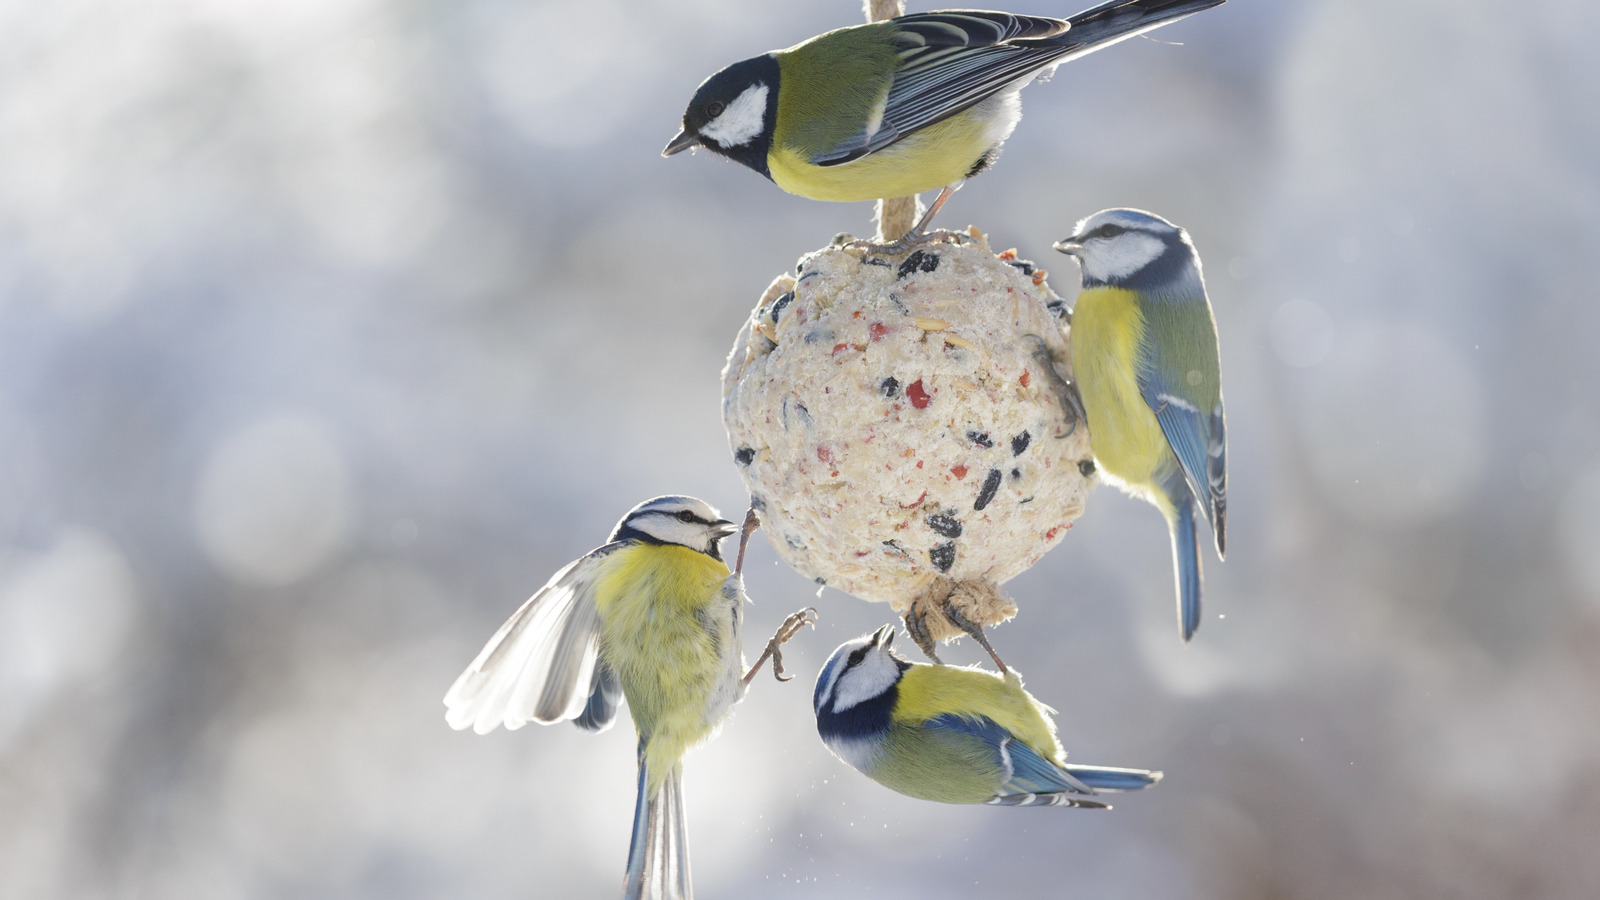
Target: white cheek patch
{"points": [[1119, 257], [744, 118], [671, 530], [871, 678]]}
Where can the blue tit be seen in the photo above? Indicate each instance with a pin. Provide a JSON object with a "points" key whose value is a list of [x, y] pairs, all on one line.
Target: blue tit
{"points": [[652, 617], [897, 107], [949, 734], [1144, 349]]}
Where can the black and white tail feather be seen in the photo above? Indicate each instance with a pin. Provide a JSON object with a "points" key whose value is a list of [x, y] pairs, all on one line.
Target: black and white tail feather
{"points": [[541, 666], [1033, 780], [658, 856]]}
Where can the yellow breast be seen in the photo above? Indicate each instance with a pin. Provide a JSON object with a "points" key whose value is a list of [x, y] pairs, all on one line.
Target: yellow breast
{"points": [[1128, 444], [940, 154], [661, 632]]}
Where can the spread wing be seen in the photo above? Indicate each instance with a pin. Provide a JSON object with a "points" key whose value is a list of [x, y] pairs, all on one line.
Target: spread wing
{"points": [[949, 61], [540, 665], [1181, 381]]}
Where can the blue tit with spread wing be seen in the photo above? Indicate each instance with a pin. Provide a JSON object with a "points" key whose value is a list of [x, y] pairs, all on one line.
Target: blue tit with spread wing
{"points": [[651, 617], [1144, 351], [951, 734], [893, 108]]}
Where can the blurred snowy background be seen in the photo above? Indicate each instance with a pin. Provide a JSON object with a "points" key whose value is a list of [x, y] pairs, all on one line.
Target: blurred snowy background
{"points": [[330, 328]]}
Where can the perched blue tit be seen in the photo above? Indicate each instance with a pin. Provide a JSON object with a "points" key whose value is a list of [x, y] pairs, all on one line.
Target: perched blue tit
{"points": [[1144, 349], [653, 617], [893, 108], [949, 734]]}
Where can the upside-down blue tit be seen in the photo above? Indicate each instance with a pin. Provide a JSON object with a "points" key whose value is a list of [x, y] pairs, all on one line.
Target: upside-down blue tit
{"points": [[893, 108], [951, 734], [653, 617], [1144, 349]]}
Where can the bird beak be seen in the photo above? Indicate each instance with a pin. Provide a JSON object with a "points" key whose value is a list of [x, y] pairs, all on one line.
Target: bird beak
{"points": [[722, 528], [1069, 246], [682, 142], [883, 637]]}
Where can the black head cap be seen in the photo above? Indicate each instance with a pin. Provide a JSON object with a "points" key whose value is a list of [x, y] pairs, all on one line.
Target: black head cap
{"points": [[733, 114]]}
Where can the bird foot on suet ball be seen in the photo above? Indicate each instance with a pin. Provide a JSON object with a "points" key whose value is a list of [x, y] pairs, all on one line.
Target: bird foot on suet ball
{"points": [[916, 619], [919, 233], [790, 627], [752, 521], [962, 622], [907, 242], [1066, 392], [947, 609]]}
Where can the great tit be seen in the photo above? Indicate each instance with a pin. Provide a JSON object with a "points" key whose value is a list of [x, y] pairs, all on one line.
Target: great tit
{"points": [[949, 734], [1144, 349], [653, 617], [901, 106]]}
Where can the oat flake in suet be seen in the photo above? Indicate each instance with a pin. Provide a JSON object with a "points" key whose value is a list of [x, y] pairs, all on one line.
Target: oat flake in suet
{"points": [[900, 423]]}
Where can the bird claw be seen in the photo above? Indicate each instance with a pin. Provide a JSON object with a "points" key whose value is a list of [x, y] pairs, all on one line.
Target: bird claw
{"points": [[972, 628], [790, 627], [752, 521], [907, 242], [917, 628], [1066, 392]]}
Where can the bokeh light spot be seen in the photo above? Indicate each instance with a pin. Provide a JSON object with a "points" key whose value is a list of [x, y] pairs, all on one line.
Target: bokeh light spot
{"points": [[1395, 425], [274, 501], [64, 615]]}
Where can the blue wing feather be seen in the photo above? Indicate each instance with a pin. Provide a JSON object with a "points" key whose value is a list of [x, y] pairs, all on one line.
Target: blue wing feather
{"points": [[1195, 428], [605, 694], [1033, 779]]}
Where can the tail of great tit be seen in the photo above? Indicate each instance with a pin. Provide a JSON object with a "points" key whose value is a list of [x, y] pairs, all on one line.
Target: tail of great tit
{"points": [[1121, 19], [658, 857]]}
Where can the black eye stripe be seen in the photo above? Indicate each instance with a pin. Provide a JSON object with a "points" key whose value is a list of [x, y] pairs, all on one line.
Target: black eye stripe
{"points": [[682, 515], [855, 657]]}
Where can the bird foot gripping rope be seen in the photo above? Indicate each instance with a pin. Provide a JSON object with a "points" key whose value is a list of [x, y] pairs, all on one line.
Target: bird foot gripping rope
{"points": [[948, 609], [906, 427]]}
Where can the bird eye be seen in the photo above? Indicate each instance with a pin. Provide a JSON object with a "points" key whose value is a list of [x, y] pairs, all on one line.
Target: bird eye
{"points": [[855, 657], [715, 108], [1108, 231], [686, 516]]}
